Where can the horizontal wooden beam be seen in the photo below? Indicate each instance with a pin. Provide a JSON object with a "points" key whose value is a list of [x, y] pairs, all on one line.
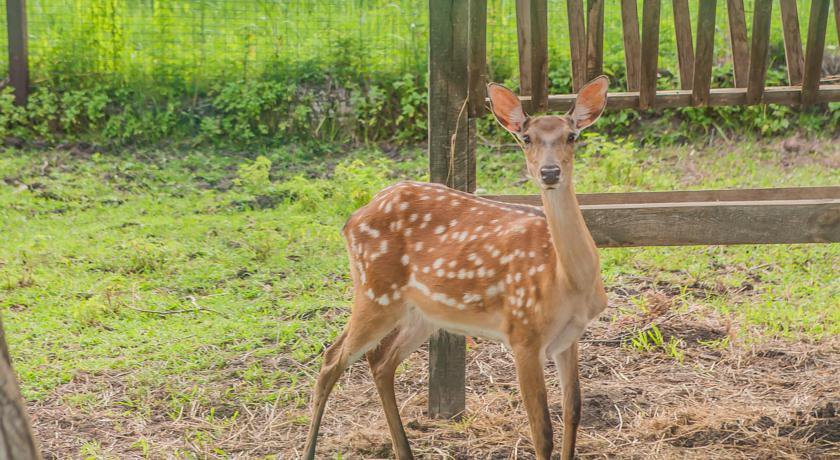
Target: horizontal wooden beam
{"points": [[784, 95], [713, 222], [685, 196]]}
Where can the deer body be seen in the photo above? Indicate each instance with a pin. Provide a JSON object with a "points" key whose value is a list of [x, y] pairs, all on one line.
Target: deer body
{"points": [[425, 257]]}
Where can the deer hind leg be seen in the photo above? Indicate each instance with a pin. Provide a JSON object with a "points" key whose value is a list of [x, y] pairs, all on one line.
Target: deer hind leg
{"points": [[383, 364], [529, 372], [567, 364], [368, 324]]}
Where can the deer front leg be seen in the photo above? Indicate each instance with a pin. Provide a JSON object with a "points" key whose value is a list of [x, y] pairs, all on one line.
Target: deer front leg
{"points": [[529, 371], [567, 364]]}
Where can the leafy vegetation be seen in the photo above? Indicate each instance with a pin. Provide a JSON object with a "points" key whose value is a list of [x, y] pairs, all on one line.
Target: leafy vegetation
{"points": [[246, 75]]}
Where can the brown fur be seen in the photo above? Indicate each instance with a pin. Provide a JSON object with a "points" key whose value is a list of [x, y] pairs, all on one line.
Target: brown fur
{"points": [[423, 257]]}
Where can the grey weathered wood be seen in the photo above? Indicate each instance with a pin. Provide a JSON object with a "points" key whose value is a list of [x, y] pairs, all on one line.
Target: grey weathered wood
{"points": [[817, 23], [705, 52], [16, 439], [532, 38], [18, 49], [477, 56], [632, 44], [738, 41], [724, 222], [577, 42], [451, 162], [594, 38], [784, 95], [446, 375], [650, 53], [685, 50], [686, 196], [759, 48], [793, 41]]}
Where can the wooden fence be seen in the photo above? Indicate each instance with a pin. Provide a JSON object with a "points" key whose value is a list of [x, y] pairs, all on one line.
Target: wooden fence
{"points": [[457, 96]]}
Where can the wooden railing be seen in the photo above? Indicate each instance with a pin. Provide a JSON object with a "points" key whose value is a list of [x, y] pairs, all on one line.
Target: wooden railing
{"points": [[457, 96]]}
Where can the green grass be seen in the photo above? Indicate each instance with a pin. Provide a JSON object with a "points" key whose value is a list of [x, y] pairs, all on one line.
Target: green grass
{"points": [[191, 45], [205, 284]]}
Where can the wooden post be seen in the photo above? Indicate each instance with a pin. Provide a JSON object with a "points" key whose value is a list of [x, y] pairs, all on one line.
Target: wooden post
{"points": [[650, 53], [18, 49], [817, 23], [16, 439], [451, 162], [532, 39], [738, 41], [702, 65], [759, 49], [632, 45], [594, 38], [685, 51]]}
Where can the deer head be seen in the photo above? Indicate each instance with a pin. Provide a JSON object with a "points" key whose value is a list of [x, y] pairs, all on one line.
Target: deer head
{"points": [[549, 140]]}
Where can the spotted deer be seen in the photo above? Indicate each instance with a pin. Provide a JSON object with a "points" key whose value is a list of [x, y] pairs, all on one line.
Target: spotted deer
{"points": [[425, 257]]}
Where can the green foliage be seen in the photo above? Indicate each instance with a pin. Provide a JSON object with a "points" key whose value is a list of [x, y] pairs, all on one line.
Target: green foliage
{"points": [[208, 75], [651, 339]]}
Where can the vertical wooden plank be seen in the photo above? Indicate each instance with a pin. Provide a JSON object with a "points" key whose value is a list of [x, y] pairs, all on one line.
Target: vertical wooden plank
{"points": [[632, 46], [738, 41], [477, 58], [837, 19], [577, 43], [594, 39], [814, 51], [685, 50], [793, 41], [450, 164], [539, 55], [650, 53], [705, 52], [759, 49], [532, 38], [18, 49], [523, 41]]}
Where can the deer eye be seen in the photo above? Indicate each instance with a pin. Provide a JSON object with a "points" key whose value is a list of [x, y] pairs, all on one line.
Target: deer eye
{"points": [[572, 138], [526, 138]]}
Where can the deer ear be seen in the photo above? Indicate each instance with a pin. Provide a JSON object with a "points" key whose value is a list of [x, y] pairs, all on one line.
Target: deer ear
{"points": [[590, 102], [506, 107]]}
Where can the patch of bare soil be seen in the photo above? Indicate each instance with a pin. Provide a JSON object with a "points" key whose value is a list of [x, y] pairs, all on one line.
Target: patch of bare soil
{"points": [[773, 399]]}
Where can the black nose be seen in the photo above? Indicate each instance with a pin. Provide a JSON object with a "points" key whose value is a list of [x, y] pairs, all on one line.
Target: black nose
{"points": [[550, 175]]}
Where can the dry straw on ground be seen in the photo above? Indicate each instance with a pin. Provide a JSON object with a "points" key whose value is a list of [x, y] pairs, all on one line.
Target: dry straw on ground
{"points": [[747, 399]]}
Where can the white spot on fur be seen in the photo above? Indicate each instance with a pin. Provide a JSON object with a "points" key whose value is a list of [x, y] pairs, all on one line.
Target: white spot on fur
{"points": [[404, 259], [471, 298], [439, 229], [438, 263], [412, 282], [403, 206]]}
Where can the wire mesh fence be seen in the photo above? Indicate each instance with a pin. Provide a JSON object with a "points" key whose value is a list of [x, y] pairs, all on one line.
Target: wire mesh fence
{"points": [[197, 42]]}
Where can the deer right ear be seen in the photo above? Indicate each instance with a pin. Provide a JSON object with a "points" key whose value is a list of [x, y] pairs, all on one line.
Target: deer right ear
{"points": [[506, 108]]}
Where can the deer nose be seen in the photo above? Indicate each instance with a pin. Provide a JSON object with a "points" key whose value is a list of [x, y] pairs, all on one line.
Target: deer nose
{"points": [[550, 175]]}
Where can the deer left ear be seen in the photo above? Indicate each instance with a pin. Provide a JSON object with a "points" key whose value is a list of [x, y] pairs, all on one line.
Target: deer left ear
{"points": [[590, 102], [506, 108]]}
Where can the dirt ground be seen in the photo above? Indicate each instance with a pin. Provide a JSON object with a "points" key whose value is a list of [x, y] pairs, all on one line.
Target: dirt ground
{"points": [[745, 399]]}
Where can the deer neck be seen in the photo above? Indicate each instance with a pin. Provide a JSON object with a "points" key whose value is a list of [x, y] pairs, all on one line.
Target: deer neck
{"points": [[577, 257]]}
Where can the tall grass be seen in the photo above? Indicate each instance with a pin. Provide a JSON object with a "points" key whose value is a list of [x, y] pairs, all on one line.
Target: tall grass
{"points": [[191, 44]]}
